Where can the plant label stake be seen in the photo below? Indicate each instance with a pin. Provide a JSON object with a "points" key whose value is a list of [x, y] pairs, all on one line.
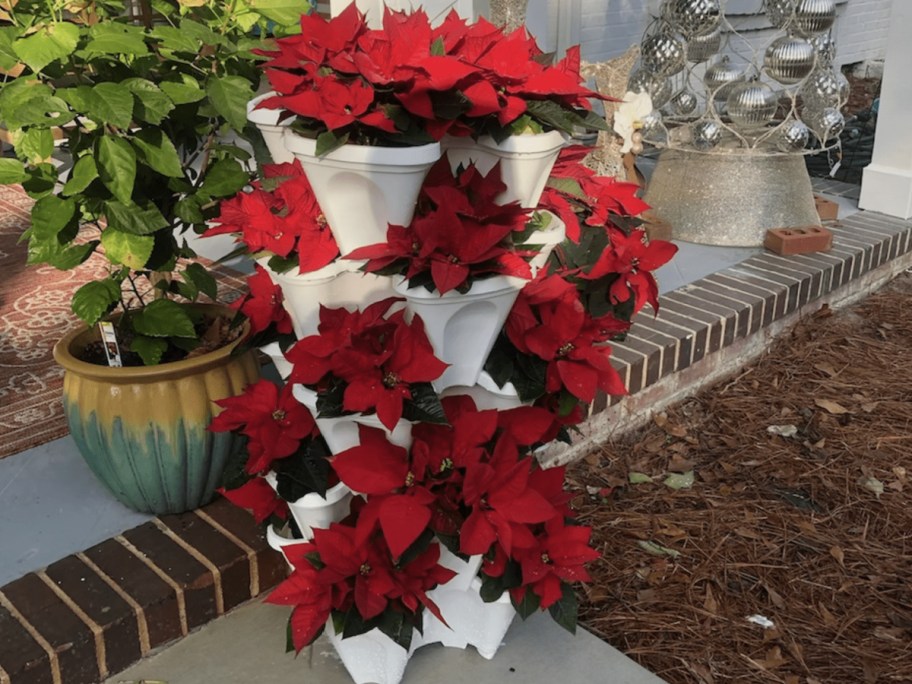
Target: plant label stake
{"points": [[109, 340]]}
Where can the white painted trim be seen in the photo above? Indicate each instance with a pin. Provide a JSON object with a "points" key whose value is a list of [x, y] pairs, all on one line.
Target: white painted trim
{"points": [[887, 190]]}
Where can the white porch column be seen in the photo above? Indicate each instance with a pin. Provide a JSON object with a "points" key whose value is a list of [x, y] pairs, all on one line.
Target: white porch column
{"points": [[887, 182]]}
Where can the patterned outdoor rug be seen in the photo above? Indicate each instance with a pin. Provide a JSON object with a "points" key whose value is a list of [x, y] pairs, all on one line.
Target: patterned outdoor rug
{"points": [[34, 314]]}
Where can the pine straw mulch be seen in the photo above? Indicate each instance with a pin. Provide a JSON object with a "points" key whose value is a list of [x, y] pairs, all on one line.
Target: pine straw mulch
{"points": [[812, 532]]}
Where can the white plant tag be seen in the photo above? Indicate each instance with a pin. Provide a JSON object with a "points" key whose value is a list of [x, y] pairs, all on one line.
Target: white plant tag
{"points": [[109, 340]]}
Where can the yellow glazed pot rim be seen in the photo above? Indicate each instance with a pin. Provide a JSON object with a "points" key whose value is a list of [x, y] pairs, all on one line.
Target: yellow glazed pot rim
{"points": [[63, 355]]}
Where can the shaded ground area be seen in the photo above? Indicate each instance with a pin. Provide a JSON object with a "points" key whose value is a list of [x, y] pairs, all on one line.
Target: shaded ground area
{"points": [[708, 517]]}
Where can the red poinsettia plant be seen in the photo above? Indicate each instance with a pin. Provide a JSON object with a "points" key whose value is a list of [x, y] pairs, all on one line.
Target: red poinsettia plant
{"points": [[408, 83], [458, 235], [281, 441], [278, 220], [470, 485], [371, 361], [553, 348]]}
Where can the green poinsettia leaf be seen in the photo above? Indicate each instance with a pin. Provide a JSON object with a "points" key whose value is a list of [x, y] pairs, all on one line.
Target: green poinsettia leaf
{"points": [[95, 299], [329, 141], [158, 152], [568, 186], [424, 406], [81, 177], [529, 604], [133, 251], [164, 318], [397, 627], [566, 610], [150, 349], [116, 161]]}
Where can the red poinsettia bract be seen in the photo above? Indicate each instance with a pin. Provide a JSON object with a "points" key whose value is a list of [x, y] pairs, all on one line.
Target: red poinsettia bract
{"points": [[262, 304], [284, 220], [632, 258], [377, 358], [258, 497], [459, 232], [272, 419]]}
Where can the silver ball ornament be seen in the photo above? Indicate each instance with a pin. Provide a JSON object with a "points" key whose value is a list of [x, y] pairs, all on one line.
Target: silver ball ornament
{"points": [[779, 12], [721, 76], [652, 124], [707, 134], [825, 45], [701, 48], [662, 54], [793, 136], [789, 60], [845, 88], [821, 90], [751, 105], [826, 124], [693, 17], [683, 103], [658, 87], [813, 16]]}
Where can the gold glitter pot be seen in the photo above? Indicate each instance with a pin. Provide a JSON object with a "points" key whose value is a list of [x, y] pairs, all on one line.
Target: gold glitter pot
{"points": [[730, 199]]}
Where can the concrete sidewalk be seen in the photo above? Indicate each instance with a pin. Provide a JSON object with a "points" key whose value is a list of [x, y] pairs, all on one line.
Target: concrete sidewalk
{"points": [[247, 647]]}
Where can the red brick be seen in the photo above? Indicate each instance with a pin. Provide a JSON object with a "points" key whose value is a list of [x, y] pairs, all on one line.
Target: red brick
{"points": [[804, 240]]}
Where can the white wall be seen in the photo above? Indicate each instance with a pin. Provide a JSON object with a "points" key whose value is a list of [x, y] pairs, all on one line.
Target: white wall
{"points": [[608, 27]]}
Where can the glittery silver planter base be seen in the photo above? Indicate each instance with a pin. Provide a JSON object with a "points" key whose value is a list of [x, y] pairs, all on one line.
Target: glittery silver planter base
{"points": [[730, 199]]}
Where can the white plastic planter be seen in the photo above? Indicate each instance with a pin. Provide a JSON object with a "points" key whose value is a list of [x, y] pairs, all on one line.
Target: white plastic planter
{"points": [[372, 657], [470, 621], [278, 543], [274, 352], [339, 284], [546, 240], [272, 130], [342, 433], [525, 161], [462, 328], [363, 189], [315, 511], [487, 395]]}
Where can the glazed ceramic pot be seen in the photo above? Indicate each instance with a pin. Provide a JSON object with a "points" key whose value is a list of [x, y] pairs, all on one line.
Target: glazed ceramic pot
{"points": [[142, 430]]}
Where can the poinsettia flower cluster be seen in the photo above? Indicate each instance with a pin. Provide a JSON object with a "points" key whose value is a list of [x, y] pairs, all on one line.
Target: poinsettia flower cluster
{"points": [[410, 82], [279, 216], [474, 480], [343, 572], [459, 233], [262, 304], [583, 199], [375, 358]]}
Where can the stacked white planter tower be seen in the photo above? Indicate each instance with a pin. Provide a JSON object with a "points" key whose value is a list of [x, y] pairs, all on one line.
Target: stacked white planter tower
{"points": [[362, 190]]}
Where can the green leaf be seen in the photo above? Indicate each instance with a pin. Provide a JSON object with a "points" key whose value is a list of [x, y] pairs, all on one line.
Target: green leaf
{"points": [[185, 92], [34, 145], [50, 215], [41, 181], [83, 173], [134, 219], [679, 480], [566, 610], [116, 166], [112, 104], [656, 549], [69, 257], [49, 43], [27, 102], [95, 299], [224, 179], [78, 97], [11, 171], [397, 628], [229, 95], [424, 406], [133, 251], [188, 210], [204, 281], [114, 38], [638, 478], [158, 152], [174, 39], [152, 104], [284, 12], [150, 349], [529, 604], [438, 47], [202, 34], [8, 57], [164, 318], [568, 186], [329, 141]]}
